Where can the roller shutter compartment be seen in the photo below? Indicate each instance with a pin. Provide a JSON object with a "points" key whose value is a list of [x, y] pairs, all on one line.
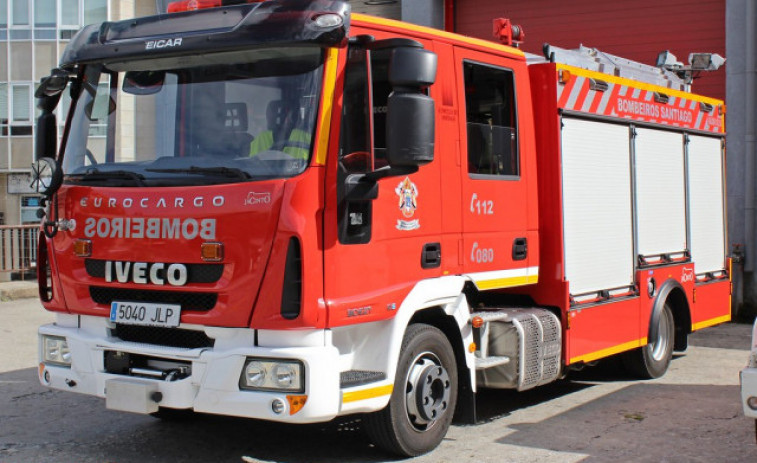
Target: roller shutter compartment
{"points": [[706, 204], [597, 216]]}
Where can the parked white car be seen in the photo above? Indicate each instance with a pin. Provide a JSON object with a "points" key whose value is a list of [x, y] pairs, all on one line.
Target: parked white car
{"points": [[749, 382]]}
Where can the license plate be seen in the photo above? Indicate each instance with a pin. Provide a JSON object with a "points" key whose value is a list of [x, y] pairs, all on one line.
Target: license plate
{"points": [[145, 313]]}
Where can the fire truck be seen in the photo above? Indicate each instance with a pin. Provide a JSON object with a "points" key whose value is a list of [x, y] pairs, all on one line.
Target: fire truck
{"points": [[285, 211]]}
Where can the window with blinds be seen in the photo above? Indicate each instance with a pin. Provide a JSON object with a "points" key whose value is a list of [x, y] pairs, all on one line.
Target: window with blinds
{"points": [[3, 110]]}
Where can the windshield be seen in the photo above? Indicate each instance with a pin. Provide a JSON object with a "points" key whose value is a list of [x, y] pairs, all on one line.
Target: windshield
{"points": [[219, 118]]}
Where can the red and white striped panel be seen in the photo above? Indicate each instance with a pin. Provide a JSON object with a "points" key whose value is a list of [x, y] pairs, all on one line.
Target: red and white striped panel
{"points": [[627, 102]]}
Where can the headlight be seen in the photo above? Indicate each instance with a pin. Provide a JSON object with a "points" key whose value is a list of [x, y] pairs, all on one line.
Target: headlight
{"points": [[55, 351], [273, 375]]}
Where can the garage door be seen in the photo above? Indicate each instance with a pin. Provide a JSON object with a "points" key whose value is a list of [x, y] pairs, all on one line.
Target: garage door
{"points": [[391, 10]]}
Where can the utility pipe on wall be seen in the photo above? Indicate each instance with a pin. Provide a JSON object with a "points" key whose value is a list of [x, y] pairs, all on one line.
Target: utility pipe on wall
{"points": [[750, 137]]}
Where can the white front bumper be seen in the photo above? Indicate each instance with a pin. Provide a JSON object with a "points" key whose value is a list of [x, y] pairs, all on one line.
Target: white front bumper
{"points": [[212, 387], [748, 389]]}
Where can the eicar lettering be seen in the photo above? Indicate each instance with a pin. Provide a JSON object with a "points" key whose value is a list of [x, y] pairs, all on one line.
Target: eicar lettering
{"points": [[163, 43], [150, 228]]}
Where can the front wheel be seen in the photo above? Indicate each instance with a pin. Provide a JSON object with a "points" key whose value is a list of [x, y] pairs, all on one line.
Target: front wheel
{"points": [[652, 360], [424, 396]]}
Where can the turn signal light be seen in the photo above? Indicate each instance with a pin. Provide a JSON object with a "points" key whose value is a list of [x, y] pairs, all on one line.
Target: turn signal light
{"points": [[212, 252], [296, 402], [83, 248], [563, 76], [477, 322]]}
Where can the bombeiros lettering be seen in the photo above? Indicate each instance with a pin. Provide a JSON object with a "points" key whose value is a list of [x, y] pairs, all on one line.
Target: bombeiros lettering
{"points": [[150, 228], [142, 273]]}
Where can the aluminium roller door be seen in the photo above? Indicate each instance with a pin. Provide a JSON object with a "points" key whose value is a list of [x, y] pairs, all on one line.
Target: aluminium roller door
{"points": [[660, 192], [706, 204], [597, 215]]}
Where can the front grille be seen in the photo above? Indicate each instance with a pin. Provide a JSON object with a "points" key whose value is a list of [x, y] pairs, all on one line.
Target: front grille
{"points": [[196, 273], [171, 337], [188, 301]]}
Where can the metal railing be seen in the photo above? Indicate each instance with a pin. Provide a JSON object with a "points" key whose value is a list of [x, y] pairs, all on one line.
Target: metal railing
{"points": [[18, 249]]}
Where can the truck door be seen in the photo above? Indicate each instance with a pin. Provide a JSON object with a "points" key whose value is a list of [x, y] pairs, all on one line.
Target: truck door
{"points": [[376, 249], [499, 237]]}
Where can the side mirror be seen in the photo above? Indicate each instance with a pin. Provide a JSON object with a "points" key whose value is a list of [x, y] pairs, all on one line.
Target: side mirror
{"points": [[411, 112], [48, 95], [46, 176]]}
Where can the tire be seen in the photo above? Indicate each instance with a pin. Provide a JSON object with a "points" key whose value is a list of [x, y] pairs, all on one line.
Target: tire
{"points": [[423, 401], [652, 361]]}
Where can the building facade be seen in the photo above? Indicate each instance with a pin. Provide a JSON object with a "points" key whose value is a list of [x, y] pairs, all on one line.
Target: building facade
{"points": [[33, 35]]}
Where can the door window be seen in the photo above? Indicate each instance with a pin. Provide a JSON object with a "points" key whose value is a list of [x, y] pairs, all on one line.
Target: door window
{"points": [[491, 121]]}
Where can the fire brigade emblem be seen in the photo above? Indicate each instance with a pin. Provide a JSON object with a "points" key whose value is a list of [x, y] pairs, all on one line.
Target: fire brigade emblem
{"points": [[408, 203]]}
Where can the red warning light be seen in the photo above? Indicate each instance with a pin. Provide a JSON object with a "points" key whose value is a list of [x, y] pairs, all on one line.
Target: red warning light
{"points": [[189, 5]]}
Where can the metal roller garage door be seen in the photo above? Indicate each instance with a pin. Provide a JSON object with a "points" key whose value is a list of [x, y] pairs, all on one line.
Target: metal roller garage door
{"points": [[388, 10]]}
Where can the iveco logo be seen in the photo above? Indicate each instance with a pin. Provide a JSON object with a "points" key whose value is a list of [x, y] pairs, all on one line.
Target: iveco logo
{"points": [[163, 43], [144, 272]]}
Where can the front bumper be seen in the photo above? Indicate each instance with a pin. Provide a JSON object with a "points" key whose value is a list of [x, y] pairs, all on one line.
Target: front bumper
{"points": [[748, 389], [212, 386]]}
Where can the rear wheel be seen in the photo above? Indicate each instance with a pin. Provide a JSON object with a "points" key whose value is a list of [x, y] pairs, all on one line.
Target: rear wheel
{"points": [[424, 396], [652, 360]]}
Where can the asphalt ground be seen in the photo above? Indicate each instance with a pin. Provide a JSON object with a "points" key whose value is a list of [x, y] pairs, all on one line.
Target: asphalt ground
{"points": [[692, 414]]}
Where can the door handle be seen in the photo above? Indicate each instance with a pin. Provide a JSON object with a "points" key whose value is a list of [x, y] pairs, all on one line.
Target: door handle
{"points": [[431, 256], [520, 249]]}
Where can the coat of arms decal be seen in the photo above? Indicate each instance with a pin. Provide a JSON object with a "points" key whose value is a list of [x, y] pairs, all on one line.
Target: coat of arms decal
{"points": [[408, 203]]}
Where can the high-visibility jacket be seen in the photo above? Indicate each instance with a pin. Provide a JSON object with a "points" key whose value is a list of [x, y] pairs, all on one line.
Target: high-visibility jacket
{"points": [[297, 146]]}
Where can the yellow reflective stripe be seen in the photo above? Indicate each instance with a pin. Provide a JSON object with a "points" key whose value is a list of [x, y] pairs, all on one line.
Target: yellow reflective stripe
{"points": [[510, 282], [262, 142], [609, 351], [365, 394], [711, 322], [298, 136], [327, 105], [498, 279]]}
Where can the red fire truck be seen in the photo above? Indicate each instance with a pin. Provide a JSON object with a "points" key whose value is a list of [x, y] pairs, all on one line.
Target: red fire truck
{"points": [[284, 211]]}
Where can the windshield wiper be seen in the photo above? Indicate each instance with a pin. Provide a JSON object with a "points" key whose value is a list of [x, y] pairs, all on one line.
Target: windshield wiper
{"points": [[98, 175], [230, 172]]}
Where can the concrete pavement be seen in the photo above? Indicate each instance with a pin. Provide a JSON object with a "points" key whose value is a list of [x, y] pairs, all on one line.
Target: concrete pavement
{"points": [[16, 290]]}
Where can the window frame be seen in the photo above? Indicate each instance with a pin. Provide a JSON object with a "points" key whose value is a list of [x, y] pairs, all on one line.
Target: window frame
{"points": [[12, 24], [4, 8], [516, 129], [63, 25], [12, 104]]}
